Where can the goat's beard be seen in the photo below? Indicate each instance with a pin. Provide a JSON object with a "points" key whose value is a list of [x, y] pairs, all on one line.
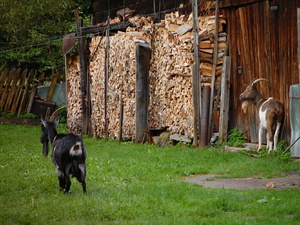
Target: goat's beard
{"points": [[245, 106]]}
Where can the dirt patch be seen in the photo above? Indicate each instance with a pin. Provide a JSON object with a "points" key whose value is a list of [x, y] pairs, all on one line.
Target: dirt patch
{"points": [[290, 181]]}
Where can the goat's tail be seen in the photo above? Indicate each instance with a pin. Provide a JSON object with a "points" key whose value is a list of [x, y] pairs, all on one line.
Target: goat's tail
{"points": [[278, 111], [76, 149]]}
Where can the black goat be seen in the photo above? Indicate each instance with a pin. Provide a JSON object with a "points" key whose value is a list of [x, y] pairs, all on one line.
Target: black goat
{"points": [[68, 155]]}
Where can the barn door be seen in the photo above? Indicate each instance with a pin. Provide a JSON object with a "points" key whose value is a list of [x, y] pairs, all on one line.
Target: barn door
{"points": [[254, 58]]}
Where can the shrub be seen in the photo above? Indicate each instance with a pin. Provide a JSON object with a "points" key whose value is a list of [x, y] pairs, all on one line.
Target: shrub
{"points": [[236, 138]]}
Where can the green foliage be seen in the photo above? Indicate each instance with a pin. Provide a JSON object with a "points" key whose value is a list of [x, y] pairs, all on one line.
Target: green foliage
{"points": [[277, 154], [62, 115], [7, 114], [28, 115], [136, 184], [280, 155], [13, 115], [31, 32], [236, 138]]}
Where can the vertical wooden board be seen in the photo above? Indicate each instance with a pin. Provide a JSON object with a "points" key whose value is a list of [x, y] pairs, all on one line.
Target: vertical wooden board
{"points": [[51, 88], [31, 98], [12, 92], [19, 91], [225, 94], [233, 52], [41, 79], [24, 100], [3, 79], [7, 87], [143, 56]]}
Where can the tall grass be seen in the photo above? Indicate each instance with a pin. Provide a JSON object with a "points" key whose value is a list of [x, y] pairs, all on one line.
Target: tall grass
{"points": [[136, 184]]}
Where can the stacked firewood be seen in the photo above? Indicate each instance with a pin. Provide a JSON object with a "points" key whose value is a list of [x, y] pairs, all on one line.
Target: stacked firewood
{"points": [[171, 42], [74, 99]]}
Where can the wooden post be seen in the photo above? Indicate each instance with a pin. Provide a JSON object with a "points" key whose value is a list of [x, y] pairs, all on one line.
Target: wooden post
{"points": [[106, 79], [121, 118], [83, 74], [196, 77], [215, 58], [225, 94], [143, 56], [204, 118]]}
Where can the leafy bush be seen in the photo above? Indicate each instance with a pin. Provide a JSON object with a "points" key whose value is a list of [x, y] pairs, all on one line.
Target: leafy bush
{"points": [[62, 115], [28, 115], [278, 154], [236, 138]]}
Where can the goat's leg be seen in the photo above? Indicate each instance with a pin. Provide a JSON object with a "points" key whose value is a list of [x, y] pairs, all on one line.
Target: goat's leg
{"points": [[68, 183], [276, 135], [270, 136], [81, 176], [83, 186], [260, 133], [61, 178], [67, 178], [269, 143]]}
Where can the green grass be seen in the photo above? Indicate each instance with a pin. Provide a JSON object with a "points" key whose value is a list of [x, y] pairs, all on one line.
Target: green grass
{"points": [[137, 184]]}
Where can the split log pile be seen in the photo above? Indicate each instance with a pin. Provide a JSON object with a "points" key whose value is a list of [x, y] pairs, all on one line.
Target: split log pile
{"points": [[171, 84], [171, 42], [121, 84], [73, 80]]}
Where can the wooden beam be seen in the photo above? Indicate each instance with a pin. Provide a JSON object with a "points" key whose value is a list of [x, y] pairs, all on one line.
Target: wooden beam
{"points": [[101, 28], [143, 57], [213, 77], [83, 73], [234, 3], [225, 94], [106, 76]]}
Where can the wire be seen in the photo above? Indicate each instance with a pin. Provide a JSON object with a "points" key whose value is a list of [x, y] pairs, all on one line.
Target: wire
{"points": [[29, 46], [41, 44]]}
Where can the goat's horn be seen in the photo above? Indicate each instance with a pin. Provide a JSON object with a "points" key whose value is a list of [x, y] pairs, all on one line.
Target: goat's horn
{"points": [[257, 80], [55, 113]]}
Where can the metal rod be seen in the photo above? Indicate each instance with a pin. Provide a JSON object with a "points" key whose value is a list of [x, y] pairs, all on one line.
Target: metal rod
{"points": [[290, 146]]}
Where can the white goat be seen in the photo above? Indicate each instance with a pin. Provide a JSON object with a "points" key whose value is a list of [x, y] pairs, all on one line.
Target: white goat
{"points": [[270, 114]]}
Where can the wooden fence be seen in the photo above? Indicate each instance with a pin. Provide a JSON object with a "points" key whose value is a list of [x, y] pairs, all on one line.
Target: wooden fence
{"points": [[18, 89]]}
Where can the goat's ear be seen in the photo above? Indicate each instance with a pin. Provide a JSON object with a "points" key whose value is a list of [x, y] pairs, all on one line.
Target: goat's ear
{"points": [[44, 122], [56, 121]]}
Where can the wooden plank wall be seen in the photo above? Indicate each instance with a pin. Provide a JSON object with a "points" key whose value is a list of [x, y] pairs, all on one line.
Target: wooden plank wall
{"points": [[264, 44]]}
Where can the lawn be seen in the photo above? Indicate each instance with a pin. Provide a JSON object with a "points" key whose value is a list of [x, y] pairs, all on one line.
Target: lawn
{"points": [[137, 184]]}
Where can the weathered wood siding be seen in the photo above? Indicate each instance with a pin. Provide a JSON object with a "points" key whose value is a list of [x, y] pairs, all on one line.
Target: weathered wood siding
{"points": [[263, 37]]}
